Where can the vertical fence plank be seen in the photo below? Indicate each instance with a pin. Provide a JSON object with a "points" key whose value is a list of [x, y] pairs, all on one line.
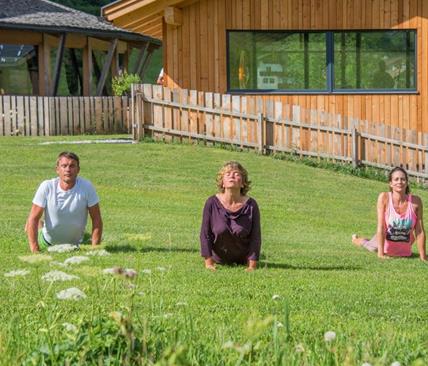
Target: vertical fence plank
{"points": [[33, 120], [185, 120], [6, 116], [167, 112], [193, 116], [236, 125], [226, 125], [209, 103], [217, 131]]}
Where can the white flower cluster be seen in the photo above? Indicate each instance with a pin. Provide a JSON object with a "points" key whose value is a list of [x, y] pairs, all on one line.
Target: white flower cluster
{"points": [[76, 260], [54, 276], [72, 293], [69, 327], [98, 253], [62, 248], [329, 336], [17, 273], [36, 258], [125, 272]]}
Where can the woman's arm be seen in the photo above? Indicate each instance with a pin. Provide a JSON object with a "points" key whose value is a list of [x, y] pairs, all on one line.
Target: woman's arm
{"points": [[419, 229], [206, 236], [255, 239], [380, 232]]}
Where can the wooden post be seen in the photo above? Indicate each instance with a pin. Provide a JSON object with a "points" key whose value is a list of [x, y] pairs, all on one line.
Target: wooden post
{"points": [[260, 134], [58, 63], [87, 68], [354, 147], [106, 67]]}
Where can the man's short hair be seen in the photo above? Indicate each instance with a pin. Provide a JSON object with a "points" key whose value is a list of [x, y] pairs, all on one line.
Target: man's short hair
{"points": [[68, 155]]}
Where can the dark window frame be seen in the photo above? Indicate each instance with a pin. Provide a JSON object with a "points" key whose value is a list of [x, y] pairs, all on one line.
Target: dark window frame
{"points": [[330, 69]]}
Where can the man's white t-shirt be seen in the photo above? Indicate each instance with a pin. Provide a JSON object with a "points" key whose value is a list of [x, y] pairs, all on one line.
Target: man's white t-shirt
{"points": [[66, 212]]}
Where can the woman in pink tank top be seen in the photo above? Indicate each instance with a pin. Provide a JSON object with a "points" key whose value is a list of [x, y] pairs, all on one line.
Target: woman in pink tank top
{"points": [[399, 220]]}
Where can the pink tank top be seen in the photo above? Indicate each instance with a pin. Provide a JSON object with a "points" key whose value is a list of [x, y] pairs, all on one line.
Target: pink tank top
{"points": [[399, 229]]}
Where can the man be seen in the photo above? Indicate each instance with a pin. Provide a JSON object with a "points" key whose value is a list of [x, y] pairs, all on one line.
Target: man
{"points": [[65, 201]]}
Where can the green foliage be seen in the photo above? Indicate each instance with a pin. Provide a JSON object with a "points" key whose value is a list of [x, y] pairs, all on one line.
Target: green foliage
{"points": [[311, 279], [121, 84]]}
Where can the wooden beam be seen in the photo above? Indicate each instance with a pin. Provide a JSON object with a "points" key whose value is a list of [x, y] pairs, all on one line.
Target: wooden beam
{"points": [[10, 36], [58, 63], [140, 62], [76, 68], [146, 63], [173, 16], [87, 68], [44, 66], [106, 67]]}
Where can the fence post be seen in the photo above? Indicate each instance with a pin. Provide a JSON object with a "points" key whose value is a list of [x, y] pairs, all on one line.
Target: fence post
{"points": [[260, 121], [354, 147]]}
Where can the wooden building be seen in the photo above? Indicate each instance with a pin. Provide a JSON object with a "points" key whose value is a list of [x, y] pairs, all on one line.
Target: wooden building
{"points": [[365, 59], [36, 34]]}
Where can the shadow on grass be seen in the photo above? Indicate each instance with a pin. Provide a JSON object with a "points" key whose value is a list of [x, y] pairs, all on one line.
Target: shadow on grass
{"points": [[127, 248], [264, 264]]}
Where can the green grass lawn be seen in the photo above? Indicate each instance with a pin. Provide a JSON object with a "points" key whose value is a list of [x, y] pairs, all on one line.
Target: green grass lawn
{"points": [[311, 278]]}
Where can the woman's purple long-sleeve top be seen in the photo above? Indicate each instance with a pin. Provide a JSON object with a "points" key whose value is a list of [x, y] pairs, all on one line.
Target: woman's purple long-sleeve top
{"points": [[230, 237]]}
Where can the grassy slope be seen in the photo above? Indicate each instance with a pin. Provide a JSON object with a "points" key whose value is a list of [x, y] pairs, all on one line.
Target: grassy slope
{"points": [[152, 196]]}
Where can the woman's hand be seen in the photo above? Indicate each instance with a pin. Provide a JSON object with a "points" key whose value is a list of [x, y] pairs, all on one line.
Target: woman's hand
{"points": [[252, 265], [210, 264]]}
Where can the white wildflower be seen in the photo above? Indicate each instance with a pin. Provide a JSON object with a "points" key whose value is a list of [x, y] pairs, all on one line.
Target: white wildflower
{"points": [[72, 293], [36, 258], [70, 327], [57, 264], [62, 248], [244, 349], [111, 271], [168, 315], [181, 303], [228, 344], [161, 269], [17, 273], [279, 324], [329, 336], [53, 276], [276, 297], [99, 253], [126, 272], [299, 348], [76, 260], [396, 363], [366, 364], [129, 273], [147, 271], [141, 293]]}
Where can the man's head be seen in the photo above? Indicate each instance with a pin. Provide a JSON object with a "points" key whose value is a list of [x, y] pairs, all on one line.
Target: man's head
{"points": [[67, 167]]}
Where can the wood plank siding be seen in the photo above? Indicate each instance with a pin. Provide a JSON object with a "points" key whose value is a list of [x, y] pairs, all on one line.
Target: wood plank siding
{"points": [[195, 51]]}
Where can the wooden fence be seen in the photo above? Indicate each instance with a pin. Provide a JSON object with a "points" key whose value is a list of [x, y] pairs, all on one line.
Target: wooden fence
{"points": [[48, 116], [271, 126]]}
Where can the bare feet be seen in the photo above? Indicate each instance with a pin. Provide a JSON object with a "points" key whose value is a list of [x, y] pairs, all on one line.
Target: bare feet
{"points": [[356, 240]]}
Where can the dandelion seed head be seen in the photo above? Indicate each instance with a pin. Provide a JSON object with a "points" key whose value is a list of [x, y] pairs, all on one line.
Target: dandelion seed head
{"points": [[17, 273], [36, 258], [228, 344], [299, 348], [62, 248], [72, 293], [276, 297], [69, 327], [76, 260], [329, 336], [53, 276]]}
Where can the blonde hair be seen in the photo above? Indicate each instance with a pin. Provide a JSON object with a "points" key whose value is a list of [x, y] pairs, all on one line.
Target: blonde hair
{"points": [[233, 165]]}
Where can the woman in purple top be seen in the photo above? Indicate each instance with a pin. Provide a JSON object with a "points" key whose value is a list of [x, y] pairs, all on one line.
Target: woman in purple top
{"points": [[230, 231]]}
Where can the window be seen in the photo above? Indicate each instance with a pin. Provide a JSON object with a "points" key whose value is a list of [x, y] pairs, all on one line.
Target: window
{"points": [[363, 61]]}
